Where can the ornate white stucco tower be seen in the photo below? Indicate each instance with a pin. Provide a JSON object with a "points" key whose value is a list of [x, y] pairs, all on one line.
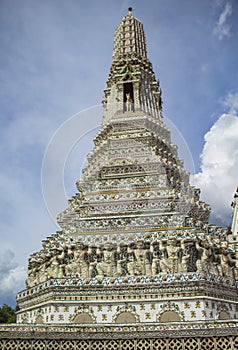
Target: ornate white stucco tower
{"points": [[136, 262]]}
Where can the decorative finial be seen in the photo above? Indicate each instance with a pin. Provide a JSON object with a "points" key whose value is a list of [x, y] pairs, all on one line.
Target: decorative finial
{"points": [[130, 11]]}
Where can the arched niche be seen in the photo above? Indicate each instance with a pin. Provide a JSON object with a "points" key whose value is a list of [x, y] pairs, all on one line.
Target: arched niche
{"points": [[125, 317], [39, 319], [169, 316], [224, 315], [83, 317], [128, 97]]}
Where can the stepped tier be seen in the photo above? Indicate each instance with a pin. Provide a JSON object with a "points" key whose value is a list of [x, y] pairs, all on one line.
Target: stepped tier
{"points": [[133, 180]]}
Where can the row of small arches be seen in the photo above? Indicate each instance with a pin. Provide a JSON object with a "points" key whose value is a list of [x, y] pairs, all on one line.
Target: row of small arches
{"points": [[128, 317]]}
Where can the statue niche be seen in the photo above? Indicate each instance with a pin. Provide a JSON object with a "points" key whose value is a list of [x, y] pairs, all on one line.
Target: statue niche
{"points": [[128, 97]]}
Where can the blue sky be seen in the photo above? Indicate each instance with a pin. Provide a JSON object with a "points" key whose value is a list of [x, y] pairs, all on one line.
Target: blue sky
{"points": [[54, 62]]}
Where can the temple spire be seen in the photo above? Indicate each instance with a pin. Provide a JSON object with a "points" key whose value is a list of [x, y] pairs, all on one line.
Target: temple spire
{"points": [[129, 37], [131, 85]]}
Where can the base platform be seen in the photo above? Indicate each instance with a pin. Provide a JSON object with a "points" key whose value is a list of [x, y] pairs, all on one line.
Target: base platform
{"points": [[174, 336]]}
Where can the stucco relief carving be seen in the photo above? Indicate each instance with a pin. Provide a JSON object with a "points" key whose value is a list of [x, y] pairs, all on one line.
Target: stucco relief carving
{"points": [[64, 257], [109, 264], [138, 260], [174, 260], [205, 262]]}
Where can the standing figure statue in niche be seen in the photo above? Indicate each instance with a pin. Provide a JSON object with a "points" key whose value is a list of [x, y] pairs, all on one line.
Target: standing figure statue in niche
{"points": [[205, 263], [138, 260], [78, 266], [108, 266], [128, 102], [174, 260]]}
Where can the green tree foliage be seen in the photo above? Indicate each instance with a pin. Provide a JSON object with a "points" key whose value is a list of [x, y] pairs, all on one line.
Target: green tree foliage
{"points": [[7, 314]]}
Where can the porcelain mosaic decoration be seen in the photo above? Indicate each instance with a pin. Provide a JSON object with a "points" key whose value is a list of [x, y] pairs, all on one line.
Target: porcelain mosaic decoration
{"points": [[136, 252]]}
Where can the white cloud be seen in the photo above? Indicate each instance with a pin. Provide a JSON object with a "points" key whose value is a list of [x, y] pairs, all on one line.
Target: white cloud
{"points": [[223, 29], [219, 163], [14, 280], [6, 262], [12, 277], [231, 103]]}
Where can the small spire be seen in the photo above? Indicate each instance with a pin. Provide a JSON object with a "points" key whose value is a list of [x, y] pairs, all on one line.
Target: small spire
{"points": [[130, 11]]}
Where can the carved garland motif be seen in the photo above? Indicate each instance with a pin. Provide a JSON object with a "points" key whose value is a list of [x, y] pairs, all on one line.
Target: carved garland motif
{"points": [[127, 310], [174, 313], [86, 313]]}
